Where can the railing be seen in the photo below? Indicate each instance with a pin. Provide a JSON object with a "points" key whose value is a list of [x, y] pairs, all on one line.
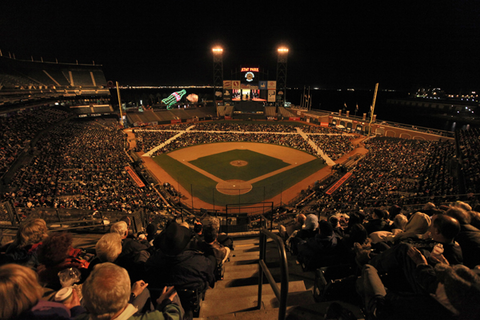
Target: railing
{"points": [[282, 293]]}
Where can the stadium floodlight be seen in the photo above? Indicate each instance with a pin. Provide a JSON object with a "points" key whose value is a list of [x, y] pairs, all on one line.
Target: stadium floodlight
{"points": [[217, 50], [282, 50]]}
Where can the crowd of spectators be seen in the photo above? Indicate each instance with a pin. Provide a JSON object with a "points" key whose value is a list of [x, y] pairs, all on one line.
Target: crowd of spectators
{"points": [[429, 260], [334, 146], [252, 127], [81, 165], [195, 138], [320, 130], [469, 147], [177, 126], [20, 128], [393, 169], [147, 140]]}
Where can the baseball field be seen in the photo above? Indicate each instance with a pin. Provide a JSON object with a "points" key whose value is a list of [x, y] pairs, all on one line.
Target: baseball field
{"points": [[237, 172]]}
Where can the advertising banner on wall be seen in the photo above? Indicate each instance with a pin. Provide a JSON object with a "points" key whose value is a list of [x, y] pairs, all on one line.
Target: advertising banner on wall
{"points": [[271, 95], [227, 90], [227, 95], [227, 84], [272, 85]]}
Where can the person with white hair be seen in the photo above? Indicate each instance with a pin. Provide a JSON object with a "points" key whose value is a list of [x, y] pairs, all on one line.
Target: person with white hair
{"points": [[107, 249], [308, 230], [134, 253], [289, 228], [107, 295], [121, 228]]}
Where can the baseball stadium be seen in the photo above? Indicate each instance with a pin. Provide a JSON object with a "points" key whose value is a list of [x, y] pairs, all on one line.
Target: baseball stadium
{"points": [[300, 203]]}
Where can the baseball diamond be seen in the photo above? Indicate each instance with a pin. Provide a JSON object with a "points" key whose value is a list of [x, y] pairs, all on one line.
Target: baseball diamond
{"points": [[213, 175]]}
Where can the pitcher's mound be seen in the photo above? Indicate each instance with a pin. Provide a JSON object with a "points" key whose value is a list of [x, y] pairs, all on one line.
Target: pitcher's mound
{"points": [[234, 187], [238, 163]]}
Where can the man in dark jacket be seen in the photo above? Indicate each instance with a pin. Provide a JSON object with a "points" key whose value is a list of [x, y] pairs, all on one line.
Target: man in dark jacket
{"points": [[191, 272], [321, 250], [173, 265]]}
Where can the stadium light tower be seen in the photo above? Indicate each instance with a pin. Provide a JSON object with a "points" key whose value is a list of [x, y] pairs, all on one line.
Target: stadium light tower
{"points": [[217, 72], [282, 74]]}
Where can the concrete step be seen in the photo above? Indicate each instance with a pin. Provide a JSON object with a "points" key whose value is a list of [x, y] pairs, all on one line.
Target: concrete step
{"points": [[248, 303], [249, 276], [264, 314], [317, 311], [252, 253], [312, 311], [246, 264], [233, 293]]}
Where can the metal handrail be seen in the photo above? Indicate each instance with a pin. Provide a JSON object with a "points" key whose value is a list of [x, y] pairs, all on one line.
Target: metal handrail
{"points": [[282, 293]]}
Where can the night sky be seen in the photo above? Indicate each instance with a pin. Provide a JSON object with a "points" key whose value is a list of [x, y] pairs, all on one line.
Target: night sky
{"points": [[400, 44]]}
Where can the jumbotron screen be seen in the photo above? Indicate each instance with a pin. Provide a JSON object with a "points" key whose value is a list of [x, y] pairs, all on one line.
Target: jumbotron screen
{"points": [[250, 75]]}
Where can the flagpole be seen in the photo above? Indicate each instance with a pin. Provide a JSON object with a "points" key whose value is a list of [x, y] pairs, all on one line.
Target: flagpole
{"points": [[372, 108], [304, 103], [119, 104], [309, 99]]}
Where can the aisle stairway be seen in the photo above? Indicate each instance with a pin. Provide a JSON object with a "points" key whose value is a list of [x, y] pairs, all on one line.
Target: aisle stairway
{"points": [[236, 296]]}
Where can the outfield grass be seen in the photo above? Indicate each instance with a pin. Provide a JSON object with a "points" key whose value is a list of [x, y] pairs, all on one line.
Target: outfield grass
{"points": [[204, 188]]}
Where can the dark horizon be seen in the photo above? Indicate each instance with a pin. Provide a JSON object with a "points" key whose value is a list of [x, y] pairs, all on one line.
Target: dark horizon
{"points": [[345, 44]]}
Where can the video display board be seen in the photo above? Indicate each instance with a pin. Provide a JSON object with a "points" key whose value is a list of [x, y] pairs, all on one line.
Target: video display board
{"points": [[250, 75]]}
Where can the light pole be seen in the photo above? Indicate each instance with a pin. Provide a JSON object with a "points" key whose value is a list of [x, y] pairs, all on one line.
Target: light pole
{"points": [[217, 72], [282, 55]]}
